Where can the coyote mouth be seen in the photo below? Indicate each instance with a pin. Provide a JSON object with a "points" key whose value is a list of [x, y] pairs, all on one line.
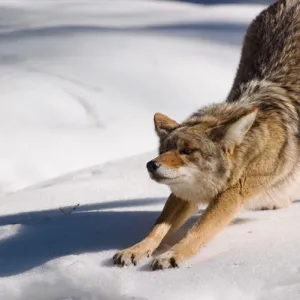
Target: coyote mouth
{"points": [[157, 177], [163, 179]]}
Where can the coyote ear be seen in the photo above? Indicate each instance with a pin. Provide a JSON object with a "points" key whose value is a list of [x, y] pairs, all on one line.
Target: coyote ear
{"points": [[236, 131], [163, 124]]}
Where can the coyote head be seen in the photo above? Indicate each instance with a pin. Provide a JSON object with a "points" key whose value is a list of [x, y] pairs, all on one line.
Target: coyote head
{"points": [[195, 157]]}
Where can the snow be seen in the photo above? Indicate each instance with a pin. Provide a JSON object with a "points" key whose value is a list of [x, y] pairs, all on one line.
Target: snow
{"points": [[76, 73], [79, 84], [53, 249]]}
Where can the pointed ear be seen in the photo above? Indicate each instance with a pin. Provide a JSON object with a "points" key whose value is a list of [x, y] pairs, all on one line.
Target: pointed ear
{"points": [[164, 125], [236, 131]]}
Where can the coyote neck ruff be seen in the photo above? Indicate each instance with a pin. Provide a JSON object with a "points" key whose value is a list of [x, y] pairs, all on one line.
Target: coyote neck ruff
{"points": [[243, 153]]}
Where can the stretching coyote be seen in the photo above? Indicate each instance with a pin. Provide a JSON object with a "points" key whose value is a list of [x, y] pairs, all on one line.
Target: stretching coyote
{"points": [[244, 152]]}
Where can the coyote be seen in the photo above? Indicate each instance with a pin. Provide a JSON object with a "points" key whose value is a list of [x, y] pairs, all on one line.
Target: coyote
{"points": [[242, 153]]}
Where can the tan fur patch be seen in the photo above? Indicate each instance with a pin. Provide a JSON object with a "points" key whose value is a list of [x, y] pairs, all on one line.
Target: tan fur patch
{"points": [[170, 159]]}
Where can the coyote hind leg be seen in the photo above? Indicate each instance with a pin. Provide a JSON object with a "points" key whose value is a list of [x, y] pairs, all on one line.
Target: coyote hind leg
{"points": [[277, 197]]}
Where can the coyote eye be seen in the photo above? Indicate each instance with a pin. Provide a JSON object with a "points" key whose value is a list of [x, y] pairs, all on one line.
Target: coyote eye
{"points": [[186, 151]]}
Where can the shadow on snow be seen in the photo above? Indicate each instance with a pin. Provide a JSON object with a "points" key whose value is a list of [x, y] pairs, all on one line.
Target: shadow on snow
{"points": [[49, 234], [45, 235]]}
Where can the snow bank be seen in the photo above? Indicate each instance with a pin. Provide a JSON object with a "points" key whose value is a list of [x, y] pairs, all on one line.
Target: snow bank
{"points": [[81, 80], [51, 248]]}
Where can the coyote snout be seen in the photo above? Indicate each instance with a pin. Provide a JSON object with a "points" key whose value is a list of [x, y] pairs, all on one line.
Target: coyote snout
{"points": [[152, 166], [162, 172], [156, 171]]}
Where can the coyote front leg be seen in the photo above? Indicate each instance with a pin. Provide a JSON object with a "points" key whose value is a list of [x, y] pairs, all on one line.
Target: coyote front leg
{"points": [[218, 214], [175, 212]]}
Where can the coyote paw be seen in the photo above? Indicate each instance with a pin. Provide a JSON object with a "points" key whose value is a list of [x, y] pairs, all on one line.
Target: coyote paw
{"points": [[165, 261], [129, 256]]}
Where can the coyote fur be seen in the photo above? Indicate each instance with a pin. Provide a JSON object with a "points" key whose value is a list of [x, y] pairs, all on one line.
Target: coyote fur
{"points": [[242, 153]]}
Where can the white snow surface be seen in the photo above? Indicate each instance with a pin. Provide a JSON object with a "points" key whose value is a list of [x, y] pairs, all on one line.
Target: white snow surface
{"points": [[80, 81]]}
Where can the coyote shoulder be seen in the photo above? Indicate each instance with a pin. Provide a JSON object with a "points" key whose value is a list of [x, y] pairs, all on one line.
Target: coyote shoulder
{"points": [[242, 153]]}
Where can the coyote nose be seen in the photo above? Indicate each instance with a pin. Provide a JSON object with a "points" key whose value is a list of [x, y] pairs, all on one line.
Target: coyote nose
{"points": [[152, 166]]}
